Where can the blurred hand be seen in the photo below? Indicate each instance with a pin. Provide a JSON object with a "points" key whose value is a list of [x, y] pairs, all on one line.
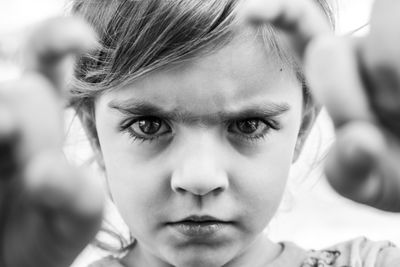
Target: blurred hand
{"points": [[49, 210], [358, 81]]}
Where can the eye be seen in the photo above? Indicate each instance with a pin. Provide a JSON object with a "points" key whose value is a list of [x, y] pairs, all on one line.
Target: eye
{"points": [[252, 128], [147, 128]]}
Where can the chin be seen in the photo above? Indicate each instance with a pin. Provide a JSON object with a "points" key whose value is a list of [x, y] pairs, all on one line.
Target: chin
{"points": [[200, 258], [199, 262]]}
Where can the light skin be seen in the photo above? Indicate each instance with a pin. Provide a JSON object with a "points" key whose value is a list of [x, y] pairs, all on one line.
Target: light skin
{"points": [[203, 158]]}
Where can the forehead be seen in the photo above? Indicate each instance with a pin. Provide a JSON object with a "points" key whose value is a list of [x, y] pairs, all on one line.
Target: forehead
{"points": [[243, 71]]}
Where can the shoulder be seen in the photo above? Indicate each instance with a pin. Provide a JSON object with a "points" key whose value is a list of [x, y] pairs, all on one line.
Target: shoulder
{"points": [[107, 262], [356, 252]]}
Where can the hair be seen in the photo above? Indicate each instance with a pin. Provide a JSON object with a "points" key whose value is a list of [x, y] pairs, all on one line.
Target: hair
{"points": [[138, 37]]}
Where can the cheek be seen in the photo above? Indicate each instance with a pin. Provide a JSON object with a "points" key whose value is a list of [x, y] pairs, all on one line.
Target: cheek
{"points": [[261, 184], [137, 189], [260, 180], [136, 184]]}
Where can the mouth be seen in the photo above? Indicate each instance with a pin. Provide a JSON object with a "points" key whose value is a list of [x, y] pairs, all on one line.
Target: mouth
{"points": [[199, 226]]}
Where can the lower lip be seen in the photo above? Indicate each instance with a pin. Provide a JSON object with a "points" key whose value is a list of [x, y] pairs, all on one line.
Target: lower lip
{"points": [[199, 229]]}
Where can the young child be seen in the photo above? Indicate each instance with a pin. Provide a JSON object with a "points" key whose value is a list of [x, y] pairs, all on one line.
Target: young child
{"points": [[196, 113], [196, 116]]}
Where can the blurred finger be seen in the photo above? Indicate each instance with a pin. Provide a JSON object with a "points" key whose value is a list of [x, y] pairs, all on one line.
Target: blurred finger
{"points": [[36, 106], [8, 164], [37, 111], [8, 139], [388, 172], [380, 55], [7, 122], [54, 183], [53, 43], [302, 19], [60, 209], [352, 161], [70, 207], [380, 48], [72, 196], [332, 70]]}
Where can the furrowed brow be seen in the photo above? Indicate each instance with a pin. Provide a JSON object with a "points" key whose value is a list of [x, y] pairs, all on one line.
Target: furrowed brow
{"points": [[142, 108], [265, 110]]}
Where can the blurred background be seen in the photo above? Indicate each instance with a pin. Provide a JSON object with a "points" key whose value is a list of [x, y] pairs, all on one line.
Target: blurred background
{"points": [[312, 215]]}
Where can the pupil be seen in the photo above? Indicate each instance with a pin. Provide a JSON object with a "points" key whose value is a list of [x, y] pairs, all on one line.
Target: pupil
{"points": [[248, 126], [150, 126]]}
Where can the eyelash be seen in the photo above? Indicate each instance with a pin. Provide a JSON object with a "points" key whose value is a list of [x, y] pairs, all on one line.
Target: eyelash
{"points": [[141, 139], [126, 125], [270, 124]]}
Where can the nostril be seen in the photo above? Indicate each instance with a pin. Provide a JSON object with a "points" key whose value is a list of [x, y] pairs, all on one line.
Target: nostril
{"points": [[198, 190], [199, 177], [180, 190], [218, 191]]}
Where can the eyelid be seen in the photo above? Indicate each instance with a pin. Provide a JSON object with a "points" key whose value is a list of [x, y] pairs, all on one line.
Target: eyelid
{"points": [[126, 126], [131, 119], [269, 121], [253, 138], [273, 123]]}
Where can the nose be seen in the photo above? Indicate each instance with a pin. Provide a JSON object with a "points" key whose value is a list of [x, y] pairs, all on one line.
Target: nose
{"points": [[199, 167]]}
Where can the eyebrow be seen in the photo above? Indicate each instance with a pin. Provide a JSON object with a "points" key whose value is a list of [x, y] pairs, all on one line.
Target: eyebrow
{"points": [[144, 108]]}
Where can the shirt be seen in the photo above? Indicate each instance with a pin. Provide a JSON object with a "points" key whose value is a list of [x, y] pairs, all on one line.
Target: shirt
{"points": [[359, 252]]}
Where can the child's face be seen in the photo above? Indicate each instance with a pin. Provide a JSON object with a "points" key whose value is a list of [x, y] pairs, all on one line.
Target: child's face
{"points": [[212, 137]]}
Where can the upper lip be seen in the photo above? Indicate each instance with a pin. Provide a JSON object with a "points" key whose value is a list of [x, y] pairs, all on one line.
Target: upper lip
{"points": [[200, 219]]}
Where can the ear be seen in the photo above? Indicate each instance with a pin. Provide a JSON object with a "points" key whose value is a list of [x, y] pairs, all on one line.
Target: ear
{"points": [[310, 114]]}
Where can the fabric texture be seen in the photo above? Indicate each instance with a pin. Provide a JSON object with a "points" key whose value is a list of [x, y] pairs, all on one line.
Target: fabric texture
{"points": [[359, 252]]}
